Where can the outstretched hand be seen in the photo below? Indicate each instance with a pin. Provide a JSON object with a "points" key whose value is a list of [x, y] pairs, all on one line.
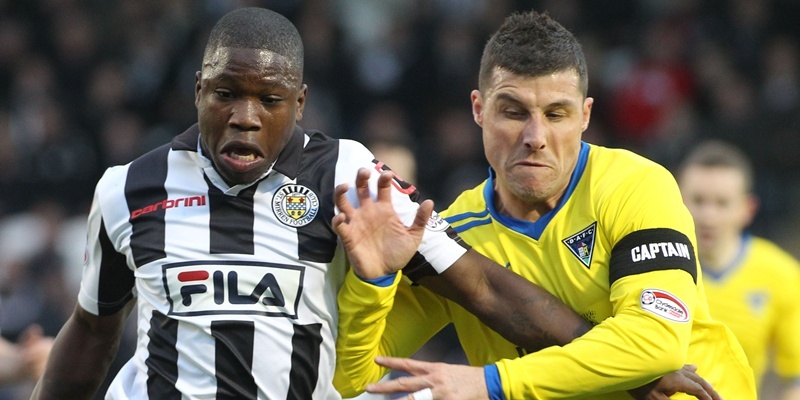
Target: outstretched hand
{"points": [[375, 239], [685, 380], [444, 381]]}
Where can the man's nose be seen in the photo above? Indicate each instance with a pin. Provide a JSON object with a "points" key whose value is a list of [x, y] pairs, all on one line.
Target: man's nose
{"points": [[533, 134], [245, 116]]}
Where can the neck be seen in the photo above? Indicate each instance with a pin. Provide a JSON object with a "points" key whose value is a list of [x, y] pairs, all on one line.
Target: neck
{"points": [[515, 207], [721, 256]]}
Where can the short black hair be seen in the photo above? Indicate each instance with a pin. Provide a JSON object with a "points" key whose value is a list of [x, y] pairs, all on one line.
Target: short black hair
{"points": [[257, 28], [532, 44]]}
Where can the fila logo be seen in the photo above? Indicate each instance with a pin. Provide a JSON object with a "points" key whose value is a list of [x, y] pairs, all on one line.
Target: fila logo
{"points": [[233, 287], [190, 201]]}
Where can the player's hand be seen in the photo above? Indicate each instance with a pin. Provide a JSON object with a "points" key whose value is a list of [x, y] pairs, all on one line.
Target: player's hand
{"points": [[375, 239], [684, 380], [34, 351], [445, 381]]}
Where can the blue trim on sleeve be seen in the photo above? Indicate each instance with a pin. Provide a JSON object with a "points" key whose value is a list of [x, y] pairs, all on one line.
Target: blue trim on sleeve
{"points": [[382, 281], [458, 217], [493, 385]]}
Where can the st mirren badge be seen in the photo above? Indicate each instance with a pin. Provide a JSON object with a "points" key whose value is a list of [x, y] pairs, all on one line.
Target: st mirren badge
{"points": [[295, 205]]}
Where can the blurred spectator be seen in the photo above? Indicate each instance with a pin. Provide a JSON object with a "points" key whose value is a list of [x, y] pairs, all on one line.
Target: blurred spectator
{"points": [[24, 362], [750, 282], [658, 84]]}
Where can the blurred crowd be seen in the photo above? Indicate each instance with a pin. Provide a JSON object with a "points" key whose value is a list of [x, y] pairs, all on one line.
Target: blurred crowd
{"points": [[87, 84]]}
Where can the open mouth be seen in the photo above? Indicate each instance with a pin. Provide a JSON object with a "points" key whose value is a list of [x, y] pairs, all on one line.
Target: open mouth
{"points": [[242, 157]]}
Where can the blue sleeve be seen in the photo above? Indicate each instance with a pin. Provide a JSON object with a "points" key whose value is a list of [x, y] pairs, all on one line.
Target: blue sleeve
{"points": [[493, 385], [382, 281]]}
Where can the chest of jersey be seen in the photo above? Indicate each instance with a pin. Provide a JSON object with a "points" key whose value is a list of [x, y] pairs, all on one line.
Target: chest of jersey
{"points": [[205, 252], [569, 259]]}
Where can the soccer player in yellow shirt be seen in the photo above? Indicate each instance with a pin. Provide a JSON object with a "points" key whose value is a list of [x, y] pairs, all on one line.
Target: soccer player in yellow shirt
{"points": [[750, 282], [602, 229]]}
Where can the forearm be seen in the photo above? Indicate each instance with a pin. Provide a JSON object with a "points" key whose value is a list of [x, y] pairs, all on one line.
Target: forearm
{"points": [[603, 360], [394, 321], [80, 357], [623, 352], [362, 318], [523, 313]]}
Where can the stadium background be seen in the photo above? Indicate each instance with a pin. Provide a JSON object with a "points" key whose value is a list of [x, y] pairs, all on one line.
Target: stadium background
{"points": [[89, 84]]}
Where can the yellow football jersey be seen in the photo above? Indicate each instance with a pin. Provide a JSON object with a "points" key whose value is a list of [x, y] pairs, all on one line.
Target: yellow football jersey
{"points": [[755, 297], [618, 249]]}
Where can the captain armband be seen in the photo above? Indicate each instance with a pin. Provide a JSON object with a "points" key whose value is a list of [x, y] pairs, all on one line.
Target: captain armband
{"points": [[647, 250]]}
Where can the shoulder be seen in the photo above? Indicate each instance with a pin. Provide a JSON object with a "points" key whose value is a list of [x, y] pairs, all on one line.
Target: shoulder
{"points": [[345, 149], [469, 201], [616, 174], [624, 166], [772, 256], [630, 192]]}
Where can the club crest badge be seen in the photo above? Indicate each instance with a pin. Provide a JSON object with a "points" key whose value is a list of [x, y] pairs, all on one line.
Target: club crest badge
{"points": [[581, 244], [295, 205]]}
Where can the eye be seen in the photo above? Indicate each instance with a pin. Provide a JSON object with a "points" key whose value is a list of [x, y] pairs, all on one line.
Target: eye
{"points": [[223, 93], [271, 100], [513, 113]]}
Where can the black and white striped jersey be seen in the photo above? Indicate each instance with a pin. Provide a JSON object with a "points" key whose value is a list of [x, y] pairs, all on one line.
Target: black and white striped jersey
{"points": [[235, 286]]}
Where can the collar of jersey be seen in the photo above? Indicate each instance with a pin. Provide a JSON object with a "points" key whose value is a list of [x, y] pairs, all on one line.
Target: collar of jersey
{"points": [[734, 265], [288, 162], [528, 228]]}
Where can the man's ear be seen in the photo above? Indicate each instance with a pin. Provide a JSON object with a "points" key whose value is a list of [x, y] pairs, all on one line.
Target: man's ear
{"points": [[198, 77], [477, 107]]}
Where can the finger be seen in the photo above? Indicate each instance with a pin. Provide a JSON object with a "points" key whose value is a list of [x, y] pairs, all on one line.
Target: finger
{"points": [[340, 199], [705, 390], [362, 186], [697, 390], [423, 216], [385, 186], [708, 392], [690, 367], [338, 223], [403, 384], [414, 367]]}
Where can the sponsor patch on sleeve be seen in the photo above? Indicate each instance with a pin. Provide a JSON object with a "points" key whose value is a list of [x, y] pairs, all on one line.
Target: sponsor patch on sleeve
{"points": [[436, 223], [664, 304]]}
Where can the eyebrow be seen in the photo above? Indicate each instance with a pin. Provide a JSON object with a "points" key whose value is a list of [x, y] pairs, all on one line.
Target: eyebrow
{"points": [[556, 104], [508, 97]]}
